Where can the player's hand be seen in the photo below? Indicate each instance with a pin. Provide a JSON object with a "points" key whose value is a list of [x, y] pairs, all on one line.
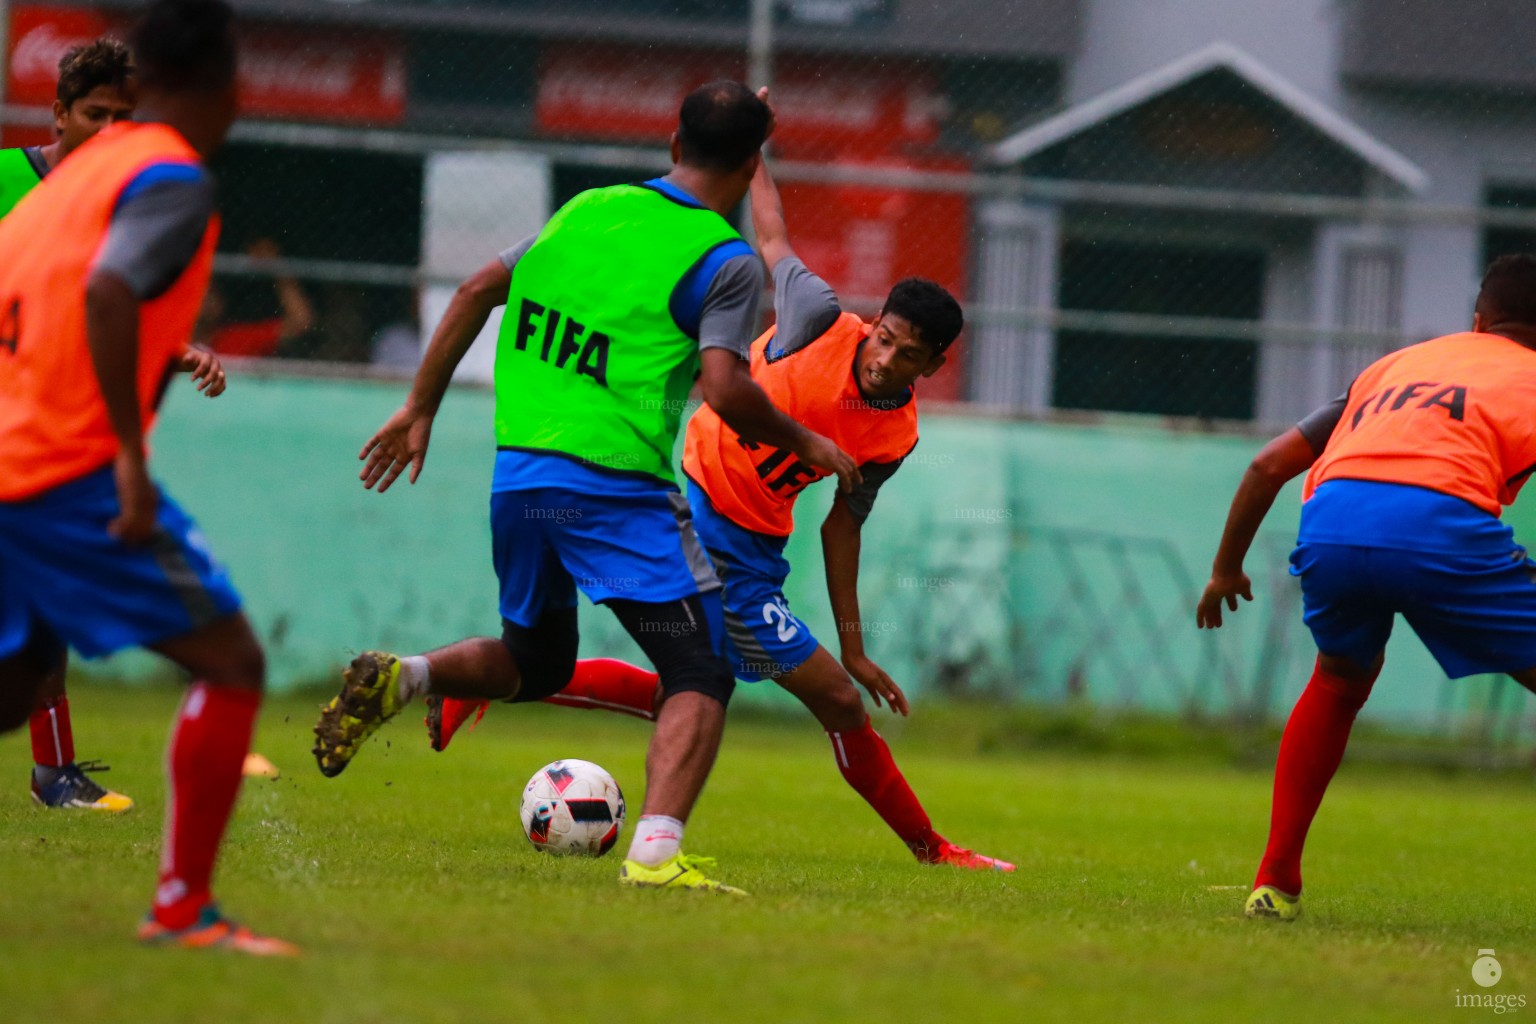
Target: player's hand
{"points": [[400, 442], [820, 452], [206, 371], [1222, 588], [773, 115], [874, 679], [137, 500]]}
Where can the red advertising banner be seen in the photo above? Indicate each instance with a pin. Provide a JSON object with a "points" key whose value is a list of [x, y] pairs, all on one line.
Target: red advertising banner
{"points": [[628, 93], [284, 73]]}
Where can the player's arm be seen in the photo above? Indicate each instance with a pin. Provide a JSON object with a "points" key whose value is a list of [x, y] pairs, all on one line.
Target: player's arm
{"points": [[841, 541], [768, 218], [1278, 463], [729, 389], [727, 322], [155, 232], [403, 439], [112, 334]]}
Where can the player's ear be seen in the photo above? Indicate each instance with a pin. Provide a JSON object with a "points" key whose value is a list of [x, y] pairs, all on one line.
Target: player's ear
{"points": [[749, 169], [60, 114], [677, 150], [1477, 323], [933, 366]]}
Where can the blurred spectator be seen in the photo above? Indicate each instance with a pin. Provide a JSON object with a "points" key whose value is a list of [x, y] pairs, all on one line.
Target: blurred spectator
{"points": [[260, 337], [343, 330], [398, 343]]}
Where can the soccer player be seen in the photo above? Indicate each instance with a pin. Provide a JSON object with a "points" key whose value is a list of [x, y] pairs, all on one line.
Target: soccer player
{"points": [[95, 89], [627, 295], [92, 552], [1409, 471], [855, 382]]}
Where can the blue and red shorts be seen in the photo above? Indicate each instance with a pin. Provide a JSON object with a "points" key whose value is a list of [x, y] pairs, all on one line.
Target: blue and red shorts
{"points": [[61, 571], [1368, 552], [763, 638]]}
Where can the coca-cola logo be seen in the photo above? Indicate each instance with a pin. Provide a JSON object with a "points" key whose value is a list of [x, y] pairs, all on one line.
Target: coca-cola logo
{"points": [[39, 50]]}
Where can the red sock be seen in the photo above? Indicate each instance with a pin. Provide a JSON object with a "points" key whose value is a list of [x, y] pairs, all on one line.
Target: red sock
{"points": [[866, 763], [53, 741], [208, 746], [611, 685], [1310, 751]]}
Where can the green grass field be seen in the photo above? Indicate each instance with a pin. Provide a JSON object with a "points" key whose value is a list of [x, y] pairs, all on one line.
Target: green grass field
{"points": [[410, 884]]}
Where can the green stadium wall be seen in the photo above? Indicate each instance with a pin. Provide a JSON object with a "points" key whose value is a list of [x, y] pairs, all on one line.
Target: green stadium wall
{"points": [[1046, 562]]}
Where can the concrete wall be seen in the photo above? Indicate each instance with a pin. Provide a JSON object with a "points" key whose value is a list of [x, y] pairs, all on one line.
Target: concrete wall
{"points": [[1013, 560]]}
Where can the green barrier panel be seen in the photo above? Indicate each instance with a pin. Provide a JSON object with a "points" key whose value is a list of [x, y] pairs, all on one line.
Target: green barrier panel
{"points": [[1039, 561]]}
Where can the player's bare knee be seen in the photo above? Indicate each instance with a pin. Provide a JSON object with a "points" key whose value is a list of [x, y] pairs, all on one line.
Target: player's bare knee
{"points": [[837, 707], [244, 668]]}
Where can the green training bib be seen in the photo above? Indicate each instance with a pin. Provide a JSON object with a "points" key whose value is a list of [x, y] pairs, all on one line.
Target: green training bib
{"points": [[590, 362], [17, 178]]}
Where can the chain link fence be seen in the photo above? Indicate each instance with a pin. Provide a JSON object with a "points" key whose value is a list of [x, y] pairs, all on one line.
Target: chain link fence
{"points": [[1139, 217]]}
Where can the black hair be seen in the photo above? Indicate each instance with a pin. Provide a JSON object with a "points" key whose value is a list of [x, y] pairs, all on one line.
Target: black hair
{"points": [[90, 66], [931, 311], [721, 126], [1508, 294], [186, 45]]}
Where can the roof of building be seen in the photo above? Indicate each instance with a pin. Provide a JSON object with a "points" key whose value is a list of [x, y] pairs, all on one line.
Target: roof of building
{"points": [[1220, 56]]}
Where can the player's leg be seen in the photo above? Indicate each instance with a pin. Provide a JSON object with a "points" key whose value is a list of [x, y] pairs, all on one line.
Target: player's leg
{"points": [[99, 595], [596, 684], [25, 666], [209, 742], [865, 761], [637, 552], [534, 585], [58, 780], [682, 639], [1350, 624]]}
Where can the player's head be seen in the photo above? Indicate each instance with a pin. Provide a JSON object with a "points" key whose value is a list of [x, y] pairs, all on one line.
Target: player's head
{"points": [[721, 129], [918, 323], [185, 52], [95, 89], [1508, 295]]}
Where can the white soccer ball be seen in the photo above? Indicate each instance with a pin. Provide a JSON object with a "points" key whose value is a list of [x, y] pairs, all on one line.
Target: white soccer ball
{"points": [[573, 807]]}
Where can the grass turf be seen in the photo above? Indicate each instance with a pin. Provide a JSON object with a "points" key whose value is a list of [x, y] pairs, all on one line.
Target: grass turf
{"points": [[409, 883]]}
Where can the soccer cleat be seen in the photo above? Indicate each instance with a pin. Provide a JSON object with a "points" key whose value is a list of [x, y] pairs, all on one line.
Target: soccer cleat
{"points": [[368, 699], [445, 716], [1267, 901], [71, 787], [212, 930], [959, 857], [681, 871]]}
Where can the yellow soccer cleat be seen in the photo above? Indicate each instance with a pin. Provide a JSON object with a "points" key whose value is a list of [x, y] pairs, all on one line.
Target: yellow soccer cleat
{"points": [[71, 787], [368, 699], [1267, 901], [680, 872]]}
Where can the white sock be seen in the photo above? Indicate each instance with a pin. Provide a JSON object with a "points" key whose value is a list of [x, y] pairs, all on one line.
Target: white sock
{"points": [[415, 675], [657, 838]]}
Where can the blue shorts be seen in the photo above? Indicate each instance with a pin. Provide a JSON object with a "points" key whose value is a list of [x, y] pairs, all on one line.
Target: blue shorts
{"points": [[1470, 597], [763, 638], [61, 571], [637, 546]]}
